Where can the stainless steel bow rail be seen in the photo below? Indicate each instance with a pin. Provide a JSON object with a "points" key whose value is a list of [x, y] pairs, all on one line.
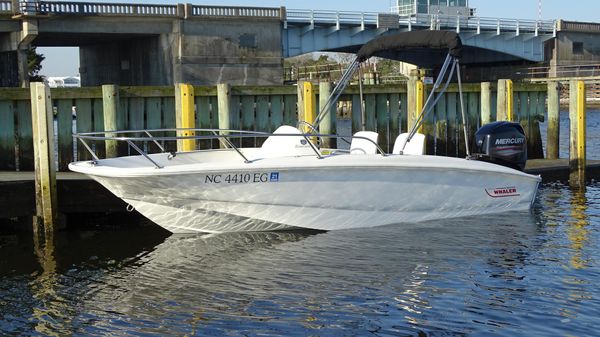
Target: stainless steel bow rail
{"points": [[224, 136]]}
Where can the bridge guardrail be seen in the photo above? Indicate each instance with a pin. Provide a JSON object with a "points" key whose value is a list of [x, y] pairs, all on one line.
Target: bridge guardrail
{"points": [[331, 17], [90, 8], [265, 12]]}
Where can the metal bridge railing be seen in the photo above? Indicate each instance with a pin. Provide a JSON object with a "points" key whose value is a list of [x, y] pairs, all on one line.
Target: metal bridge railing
{"points": [[434, 21], [331, 17]]}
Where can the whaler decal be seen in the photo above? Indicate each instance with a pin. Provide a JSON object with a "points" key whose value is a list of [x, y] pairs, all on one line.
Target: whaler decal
{"points": [[502, 192]]}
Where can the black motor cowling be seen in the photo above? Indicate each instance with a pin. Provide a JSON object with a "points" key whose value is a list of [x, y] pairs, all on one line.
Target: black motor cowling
{"points": [[502, 143]]}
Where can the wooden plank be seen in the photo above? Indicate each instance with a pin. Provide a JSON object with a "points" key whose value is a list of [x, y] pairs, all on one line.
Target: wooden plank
{"points": [[356, 114], [453, 126], [262, 116], [7, 136], [98, 121], [136, 119], [473, 119], [428, 128], [214, 118], [403, 112], [441, 128], [153, 107], [537, 148], [235, 117], [395, 116], [65, 132], [248, 118], [290, 109], [25, 136], [203, 120], [371, 112], [168, 119], [382, 121], [277, 111], [84, 123]]}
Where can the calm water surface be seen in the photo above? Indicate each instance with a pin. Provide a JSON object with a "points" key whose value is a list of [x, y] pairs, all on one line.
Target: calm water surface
{"points": [[534, 274]]}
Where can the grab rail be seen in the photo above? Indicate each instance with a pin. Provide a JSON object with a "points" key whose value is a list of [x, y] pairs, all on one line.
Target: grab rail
{"points": [[223, 135]]}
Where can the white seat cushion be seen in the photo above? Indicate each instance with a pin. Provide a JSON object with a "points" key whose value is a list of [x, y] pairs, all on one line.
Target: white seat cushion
{"points": [[282, 146], [364, 146], [416, 146]]}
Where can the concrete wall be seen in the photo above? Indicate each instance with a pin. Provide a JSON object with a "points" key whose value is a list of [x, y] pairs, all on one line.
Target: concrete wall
{"points": [[126, 62], [233, 51]]}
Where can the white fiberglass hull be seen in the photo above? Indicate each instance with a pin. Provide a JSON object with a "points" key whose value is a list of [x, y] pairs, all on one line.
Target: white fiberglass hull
{"points": [[336, 192]]}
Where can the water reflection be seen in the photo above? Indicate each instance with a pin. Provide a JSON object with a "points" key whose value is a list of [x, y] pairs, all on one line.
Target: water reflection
{"points": [[578, 229], [506, 275]]}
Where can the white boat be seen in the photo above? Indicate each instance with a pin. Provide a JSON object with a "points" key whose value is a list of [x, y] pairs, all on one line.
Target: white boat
{"points": [[290, 183]]}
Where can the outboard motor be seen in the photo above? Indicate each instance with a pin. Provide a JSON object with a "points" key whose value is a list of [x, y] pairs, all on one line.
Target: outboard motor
{"points": [[501, 143]]}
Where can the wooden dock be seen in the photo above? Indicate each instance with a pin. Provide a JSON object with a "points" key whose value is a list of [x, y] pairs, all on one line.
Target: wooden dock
{"points": [[79, 195]]}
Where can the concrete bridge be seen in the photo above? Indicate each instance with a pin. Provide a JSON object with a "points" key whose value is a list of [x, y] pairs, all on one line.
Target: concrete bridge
{"points": [[143, 44]]}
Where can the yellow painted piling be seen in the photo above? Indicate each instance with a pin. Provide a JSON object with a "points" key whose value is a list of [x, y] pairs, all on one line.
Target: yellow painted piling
{"points": [[510, 109], [577, 148], [419, 100], [186, 117], [309, 102], [46, 219]]}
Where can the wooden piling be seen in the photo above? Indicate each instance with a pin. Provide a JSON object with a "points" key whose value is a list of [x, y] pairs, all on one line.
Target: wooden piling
{"points": [[327, 124], [486, 103], [46, 218], [110, 105], [224, 104], [411, 92], [505, 104], [306, 104], [553, 131], [185, 116], [577, 146]]}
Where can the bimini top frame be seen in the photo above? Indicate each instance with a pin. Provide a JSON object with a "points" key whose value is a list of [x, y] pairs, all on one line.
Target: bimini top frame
{"points": [[394, 47]]}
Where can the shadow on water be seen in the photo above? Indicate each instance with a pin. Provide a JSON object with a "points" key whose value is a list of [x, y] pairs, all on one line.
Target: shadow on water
{"points": [[503, 275]]}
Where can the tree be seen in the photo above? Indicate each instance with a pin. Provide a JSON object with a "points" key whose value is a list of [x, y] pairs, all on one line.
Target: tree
{"points": [[34, 64]]}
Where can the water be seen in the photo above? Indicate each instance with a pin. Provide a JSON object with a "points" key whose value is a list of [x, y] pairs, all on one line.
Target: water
{"points": [[592, 133], [524, 273]]}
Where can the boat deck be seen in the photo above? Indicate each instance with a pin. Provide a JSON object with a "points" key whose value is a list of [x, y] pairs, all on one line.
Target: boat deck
{"points": [[78, 194]]}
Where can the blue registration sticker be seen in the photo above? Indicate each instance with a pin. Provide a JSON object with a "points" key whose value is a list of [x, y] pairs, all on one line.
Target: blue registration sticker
{"points": [[274, 177]]}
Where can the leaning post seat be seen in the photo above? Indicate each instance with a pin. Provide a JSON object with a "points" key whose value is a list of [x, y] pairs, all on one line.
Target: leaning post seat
{"points": [[364, 146], [416, 146], [284, 146]]}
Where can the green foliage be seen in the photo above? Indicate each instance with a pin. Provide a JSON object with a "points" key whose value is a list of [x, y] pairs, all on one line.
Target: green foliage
{"points": [[34, 64]]}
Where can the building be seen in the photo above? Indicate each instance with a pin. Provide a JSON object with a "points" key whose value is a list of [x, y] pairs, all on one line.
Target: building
{"points": [[443, 7]]}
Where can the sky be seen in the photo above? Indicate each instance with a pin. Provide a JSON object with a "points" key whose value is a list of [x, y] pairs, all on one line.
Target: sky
{"points": [[65, 61]]}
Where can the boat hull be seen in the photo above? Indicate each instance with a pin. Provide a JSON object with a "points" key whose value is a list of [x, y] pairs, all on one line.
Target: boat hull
{"points": [[321, 198]]}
